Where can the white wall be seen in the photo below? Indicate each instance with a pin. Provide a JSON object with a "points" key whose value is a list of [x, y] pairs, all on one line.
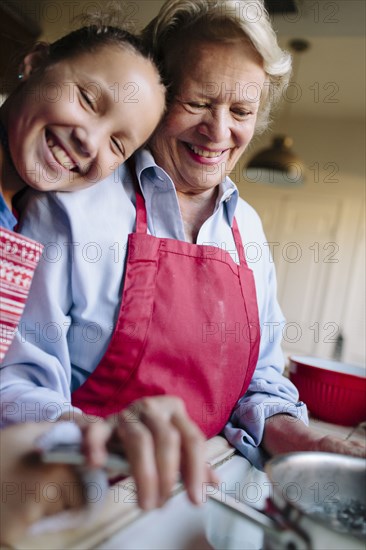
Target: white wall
{"points": [[325, 288]]}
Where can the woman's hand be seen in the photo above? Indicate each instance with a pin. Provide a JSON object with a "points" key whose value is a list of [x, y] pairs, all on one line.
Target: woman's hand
{"points": [[161, 443], [332, 444], [286, 434]]}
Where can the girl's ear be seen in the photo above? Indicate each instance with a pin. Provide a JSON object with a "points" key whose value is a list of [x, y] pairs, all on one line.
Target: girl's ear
{"points": [[34, 60]]}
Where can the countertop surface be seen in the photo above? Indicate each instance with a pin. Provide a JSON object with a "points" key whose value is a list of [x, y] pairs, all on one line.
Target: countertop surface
{"points": [[121, 524]]}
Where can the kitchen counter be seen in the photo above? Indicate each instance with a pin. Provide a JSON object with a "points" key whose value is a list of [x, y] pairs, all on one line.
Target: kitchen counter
{"points": [[178, 525]]}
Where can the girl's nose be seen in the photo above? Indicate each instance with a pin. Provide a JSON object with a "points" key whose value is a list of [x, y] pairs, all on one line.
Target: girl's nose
{"points": [[216, 125], [86, 141]]}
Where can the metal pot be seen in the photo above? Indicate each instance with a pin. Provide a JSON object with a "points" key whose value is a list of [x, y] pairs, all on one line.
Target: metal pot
{"points": [[317, 501]]}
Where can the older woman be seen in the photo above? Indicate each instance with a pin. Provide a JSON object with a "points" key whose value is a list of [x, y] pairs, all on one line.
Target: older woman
{"points": [[144, 310]]}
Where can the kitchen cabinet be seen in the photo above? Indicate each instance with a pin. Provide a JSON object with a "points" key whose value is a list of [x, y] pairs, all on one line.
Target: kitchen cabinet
{"points": [[355, 314], [318, 246]]}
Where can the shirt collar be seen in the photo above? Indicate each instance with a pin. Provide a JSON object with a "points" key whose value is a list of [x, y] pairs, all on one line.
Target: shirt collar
{"points": [[145, 163], [228, 192], [7, 219], [228, 195]]}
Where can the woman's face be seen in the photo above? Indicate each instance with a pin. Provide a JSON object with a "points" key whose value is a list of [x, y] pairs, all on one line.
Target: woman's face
{"points": [[71, 124], [213, 115]]}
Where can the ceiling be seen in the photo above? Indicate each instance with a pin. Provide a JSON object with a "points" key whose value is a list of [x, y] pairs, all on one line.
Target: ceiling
{"points": [[330, 76]]}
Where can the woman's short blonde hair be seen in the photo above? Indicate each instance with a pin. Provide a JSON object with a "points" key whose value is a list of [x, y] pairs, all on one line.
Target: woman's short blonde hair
{"points": [[182, 21]]}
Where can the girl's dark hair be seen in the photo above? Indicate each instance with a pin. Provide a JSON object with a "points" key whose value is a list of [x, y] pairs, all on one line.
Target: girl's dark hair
{"points": [[91, 37]]}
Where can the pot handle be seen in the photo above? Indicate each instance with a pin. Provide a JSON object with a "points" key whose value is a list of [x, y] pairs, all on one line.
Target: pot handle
{"points": [[286, 538]]}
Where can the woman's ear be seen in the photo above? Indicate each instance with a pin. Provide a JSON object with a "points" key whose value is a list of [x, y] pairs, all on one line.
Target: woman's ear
{"points": [[34, 60]]}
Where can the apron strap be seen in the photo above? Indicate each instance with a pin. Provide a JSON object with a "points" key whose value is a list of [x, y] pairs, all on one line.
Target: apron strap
{"points": [[141, 214], [238, 243]]}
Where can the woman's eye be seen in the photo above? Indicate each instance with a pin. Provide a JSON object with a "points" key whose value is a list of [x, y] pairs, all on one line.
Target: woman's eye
{"points": [[195, 105], [241, 113], [192, 106]]}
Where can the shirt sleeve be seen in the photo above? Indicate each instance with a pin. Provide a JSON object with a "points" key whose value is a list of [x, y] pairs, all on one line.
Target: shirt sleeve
{"points": [[269, 392], [7, 218], [19, 257], [36, 372]]}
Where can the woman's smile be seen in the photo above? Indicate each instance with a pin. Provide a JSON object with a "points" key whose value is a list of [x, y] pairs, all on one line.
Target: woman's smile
{"points": [[208, 127], [205, 153]]}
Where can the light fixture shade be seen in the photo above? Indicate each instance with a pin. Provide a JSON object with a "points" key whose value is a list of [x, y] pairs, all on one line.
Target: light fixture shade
{"points": [[277, 165]]}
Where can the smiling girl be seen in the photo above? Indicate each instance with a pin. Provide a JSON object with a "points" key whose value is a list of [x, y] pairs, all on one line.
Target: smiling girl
{"points": [[83, 105]]}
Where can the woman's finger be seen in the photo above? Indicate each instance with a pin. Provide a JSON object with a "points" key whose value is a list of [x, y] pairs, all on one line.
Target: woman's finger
{"points": [[156, 414], [139, 448], [96, 433], [161, 441], [194, 470]]}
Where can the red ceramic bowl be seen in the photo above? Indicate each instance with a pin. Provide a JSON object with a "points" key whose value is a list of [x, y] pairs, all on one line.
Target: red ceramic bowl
{"points": [[333, 391]]}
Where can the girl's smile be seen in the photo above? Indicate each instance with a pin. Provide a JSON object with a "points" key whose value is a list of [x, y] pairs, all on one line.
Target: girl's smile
{"points": [[60, 153], [72, 123]]}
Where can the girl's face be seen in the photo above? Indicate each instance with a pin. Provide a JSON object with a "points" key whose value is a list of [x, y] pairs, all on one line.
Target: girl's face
{"points": [[74, 122]]}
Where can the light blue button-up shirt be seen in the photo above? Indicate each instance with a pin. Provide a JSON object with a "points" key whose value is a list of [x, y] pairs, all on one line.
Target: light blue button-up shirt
{"points": [[7, 218], [76, 293]]}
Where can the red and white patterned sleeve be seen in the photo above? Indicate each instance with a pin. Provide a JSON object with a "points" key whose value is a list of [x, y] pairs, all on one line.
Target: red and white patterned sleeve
{"points": [[19, 257]]}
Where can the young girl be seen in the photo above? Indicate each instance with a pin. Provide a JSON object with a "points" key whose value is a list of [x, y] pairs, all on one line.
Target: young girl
{"points": [[83, 105]]}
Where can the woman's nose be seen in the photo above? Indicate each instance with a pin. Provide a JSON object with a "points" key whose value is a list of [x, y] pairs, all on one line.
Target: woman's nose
{"points": [[216, 125]]}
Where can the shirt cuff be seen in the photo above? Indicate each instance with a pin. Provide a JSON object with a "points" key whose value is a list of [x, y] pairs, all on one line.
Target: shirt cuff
{"points": [[245, 429]]}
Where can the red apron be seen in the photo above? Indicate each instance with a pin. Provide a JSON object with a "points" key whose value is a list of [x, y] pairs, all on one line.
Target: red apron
{"points": [[188, 326]]}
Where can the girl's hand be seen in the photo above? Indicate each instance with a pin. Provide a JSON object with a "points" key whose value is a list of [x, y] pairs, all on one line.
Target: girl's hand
{"points": [[31, 490]]}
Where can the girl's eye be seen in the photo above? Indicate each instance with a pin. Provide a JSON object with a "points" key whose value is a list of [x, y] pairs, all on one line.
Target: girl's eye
{"points": [[86, 98], [118, 146]]}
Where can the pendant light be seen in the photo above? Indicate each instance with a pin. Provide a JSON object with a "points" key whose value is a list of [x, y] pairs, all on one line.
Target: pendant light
{"points": [[278, 164]]}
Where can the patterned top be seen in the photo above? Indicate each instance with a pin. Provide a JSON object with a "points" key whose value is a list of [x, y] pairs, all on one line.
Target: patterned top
{"points": [[19, 257]]}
